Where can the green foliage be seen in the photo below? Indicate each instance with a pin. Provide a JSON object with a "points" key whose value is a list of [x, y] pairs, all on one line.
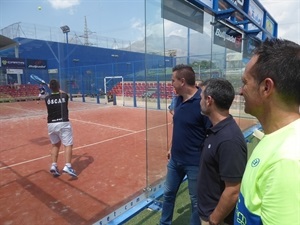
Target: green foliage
{"points": [[181, 216], [204, 65]]}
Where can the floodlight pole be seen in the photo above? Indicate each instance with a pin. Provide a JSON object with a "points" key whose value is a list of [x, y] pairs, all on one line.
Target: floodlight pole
{"points": [[66, 29]]}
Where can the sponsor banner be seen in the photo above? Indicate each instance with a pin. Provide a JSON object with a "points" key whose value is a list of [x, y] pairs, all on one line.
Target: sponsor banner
{"points": [[227, 37], [239, 3], [250, 44], [227, 4], [256, 14], [269, 25], [183, 13], [14, 71], [53, 71], [12, 63], [36, 64]]}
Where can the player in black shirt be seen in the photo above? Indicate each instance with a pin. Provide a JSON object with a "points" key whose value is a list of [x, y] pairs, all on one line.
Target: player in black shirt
{"points": [[59, 128]]}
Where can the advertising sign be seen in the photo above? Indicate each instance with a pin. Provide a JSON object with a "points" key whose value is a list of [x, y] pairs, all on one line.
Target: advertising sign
{"points": [[36, 64], [53, 71], [239, 3], [227, 37], [269, 25], [14, 63], [14, 71], [249, 45], [256, 14]]}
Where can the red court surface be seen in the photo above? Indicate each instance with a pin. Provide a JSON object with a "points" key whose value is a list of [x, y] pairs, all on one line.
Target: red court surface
{"points": [[109, 157], [115, 157]]}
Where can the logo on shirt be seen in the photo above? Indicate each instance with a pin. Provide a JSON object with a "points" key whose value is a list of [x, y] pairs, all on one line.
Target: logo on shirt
{"points": [[239, 216], [255, 162]]}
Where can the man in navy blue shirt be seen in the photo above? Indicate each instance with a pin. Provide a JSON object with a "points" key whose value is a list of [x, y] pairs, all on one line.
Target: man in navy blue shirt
{"points": [[189, 127], [223, 158]]}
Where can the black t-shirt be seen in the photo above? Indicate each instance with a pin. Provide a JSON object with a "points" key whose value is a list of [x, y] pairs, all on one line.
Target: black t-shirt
{"points": [[224, 157], [57, 107]]}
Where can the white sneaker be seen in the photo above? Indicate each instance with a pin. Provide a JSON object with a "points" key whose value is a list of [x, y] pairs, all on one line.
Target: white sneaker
{"points": [[70, 171], [54, 170]]}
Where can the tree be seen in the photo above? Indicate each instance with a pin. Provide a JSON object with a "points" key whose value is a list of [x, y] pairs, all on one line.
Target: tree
{"points": [[204, 65]]}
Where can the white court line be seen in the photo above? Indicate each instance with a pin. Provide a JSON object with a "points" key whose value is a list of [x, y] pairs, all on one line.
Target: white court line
{"points": [[23, 117], [102, 125], [18, 108], [34, 113], [81, 147], [45, 110]]}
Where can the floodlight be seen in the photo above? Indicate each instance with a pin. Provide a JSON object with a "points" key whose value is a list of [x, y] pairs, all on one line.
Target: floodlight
{"points": [[65, 29]]}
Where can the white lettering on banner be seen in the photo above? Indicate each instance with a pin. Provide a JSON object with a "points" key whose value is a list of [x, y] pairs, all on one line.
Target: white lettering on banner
{"points": [[222, 34], [14, 71], [16, 62], [37, 67], [53, 71]]}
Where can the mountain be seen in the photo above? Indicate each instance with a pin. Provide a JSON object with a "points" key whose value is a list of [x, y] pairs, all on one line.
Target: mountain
{"points": [[200, 44]]}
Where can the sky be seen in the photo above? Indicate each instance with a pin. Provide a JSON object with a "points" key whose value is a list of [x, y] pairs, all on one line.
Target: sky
{"points": [[287, 15], [121, 19]]}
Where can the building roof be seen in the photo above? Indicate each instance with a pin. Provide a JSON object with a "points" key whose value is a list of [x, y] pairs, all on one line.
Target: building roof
{"points": [[6, 42]]}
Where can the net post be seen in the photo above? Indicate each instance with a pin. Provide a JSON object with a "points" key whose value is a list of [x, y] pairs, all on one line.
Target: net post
{"points": [[114, 99]]}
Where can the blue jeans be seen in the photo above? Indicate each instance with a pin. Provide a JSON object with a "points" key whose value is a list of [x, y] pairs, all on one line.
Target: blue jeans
{"points": [[175, 174]]}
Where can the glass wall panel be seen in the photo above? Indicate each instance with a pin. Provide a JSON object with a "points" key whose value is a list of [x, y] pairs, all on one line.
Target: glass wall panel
{"points": [[109, 153], [227, 58], [119, 93], [157, 120]]}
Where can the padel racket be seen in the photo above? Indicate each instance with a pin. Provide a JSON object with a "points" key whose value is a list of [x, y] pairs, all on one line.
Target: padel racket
{"points": [[37, 79]]}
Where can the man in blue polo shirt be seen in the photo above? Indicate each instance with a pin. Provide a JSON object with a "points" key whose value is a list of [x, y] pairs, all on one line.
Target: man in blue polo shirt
{"points": [[224, 156], [189, 127]]}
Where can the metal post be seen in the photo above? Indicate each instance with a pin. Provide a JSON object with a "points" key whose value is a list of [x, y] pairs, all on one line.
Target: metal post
{"points": [[66, 29]]}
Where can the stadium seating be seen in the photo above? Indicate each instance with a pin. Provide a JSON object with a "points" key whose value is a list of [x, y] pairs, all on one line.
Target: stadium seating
{"points": [[26, 92], [141, 89], [18, 92]]}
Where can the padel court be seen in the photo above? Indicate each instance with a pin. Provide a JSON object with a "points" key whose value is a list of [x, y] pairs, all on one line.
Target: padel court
{"points": [[118, 152], [109, 156]]}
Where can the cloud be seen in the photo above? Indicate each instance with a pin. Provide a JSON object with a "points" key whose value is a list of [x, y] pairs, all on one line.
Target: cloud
{"points": [[64, 4], [287, 15], [138, 27], [137, 24], [174, 29]]}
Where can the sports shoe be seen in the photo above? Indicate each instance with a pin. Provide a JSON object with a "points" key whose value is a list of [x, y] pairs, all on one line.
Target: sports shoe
{"points": [[70, 171], [54, 170]]}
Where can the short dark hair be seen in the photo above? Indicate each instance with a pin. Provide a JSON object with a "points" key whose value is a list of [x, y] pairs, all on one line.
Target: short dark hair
{"points": [[186, 72], [279, 60], [221, 90], [54, 85]]}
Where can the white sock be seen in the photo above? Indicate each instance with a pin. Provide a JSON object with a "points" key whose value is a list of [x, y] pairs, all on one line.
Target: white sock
{"points": [[54, 164], [68, 164]]}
